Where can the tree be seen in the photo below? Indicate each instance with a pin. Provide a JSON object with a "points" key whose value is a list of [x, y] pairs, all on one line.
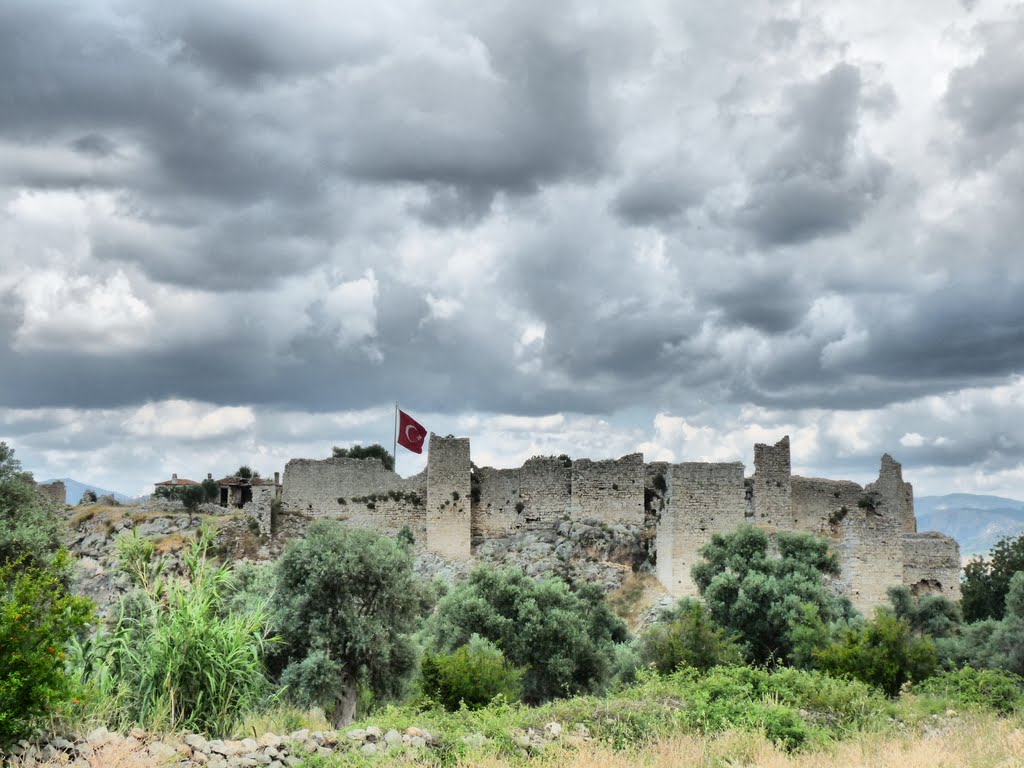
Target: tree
{"points": [[344, 604], [565, 638], [686, 636], [38, 617], [883, 652], [211, 491], [375, 451], [993, 643], [987, 582], [246, 473], [934, 616], [30, 526], [192, 496], [761, 598]]}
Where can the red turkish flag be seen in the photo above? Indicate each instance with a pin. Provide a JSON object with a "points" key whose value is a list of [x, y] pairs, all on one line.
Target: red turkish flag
{"points": [[411, 433]]}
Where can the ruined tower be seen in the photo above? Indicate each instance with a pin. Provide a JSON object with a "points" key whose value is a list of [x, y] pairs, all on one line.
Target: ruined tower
{"points": [[448, 497]]}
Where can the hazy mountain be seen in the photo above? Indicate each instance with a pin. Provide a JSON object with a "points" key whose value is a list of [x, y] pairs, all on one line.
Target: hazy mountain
{"points": [[74, 490], [977, 522]]}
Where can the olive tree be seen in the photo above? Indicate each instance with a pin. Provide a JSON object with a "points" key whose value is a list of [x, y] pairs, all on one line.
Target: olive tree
{"points": [[764, 599], [565, 637], [344, 604]]}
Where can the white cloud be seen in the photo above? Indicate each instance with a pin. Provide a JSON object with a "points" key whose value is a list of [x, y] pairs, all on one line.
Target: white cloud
{"points": [[189, 420], [912, 440], [81, 313]]}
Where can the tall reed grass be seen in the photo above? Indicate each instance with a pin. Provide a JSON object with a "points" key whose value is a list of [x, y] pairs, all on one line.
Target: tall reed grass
{"points": [[175, 659]]}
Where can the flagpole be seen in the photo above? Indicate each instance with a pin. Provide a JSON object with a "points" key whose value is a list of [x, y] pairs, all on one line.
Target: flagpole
{"points": [[394, 435]]}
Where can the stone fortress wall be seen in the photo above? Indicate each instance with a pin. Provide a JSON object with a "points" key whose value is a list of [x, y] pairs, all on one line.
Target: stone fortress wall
{"points": [[453, 506]]}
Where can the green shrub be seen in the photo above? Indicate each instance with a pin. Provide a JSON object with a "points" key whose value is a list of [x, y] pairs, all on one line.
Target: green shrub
{"points": [[687, 637], [473, 675], [883, 652], [30, 526], [37, 619], [969, 687], [565, 637]]}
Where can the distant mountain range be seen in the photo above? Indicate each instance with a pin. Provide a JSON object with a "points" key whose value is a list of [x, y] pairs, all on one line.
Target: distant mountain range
{"points": [[976, 522], [74, 490]]}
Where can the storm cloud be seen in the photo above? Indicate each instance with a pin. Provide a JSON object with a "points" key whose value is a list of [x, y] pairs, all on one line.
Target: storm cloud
{"points": [[656, 227]]}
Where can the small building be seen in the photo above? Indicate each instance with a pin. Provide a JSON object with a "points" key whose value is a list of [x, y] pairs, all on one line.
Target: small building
{"points": [[174, 483], [237, 491]]}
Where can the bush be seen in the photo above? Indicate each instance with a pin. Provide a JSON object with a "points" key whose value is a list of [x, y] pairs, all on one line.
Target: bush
{"points": [[566, 639], [687, 637], [37, 619], [473, 675], [883, 652], [30, 527], [969, 687], [375, 451]]}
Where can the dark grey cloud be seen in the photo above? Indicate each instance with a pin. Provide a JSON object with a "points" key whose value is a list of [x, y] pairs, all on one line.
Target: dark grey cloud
{"points": [[659, 195], [816, 184], [94, 145], [986, 97], [546, 207]]}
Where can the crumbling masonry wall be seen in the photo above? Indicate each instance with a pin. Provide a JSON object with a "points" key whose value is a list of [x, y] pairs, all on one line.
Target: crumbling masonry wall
{"points": [[54, 492], [448, 497], [702, 499], [610, 491], [545, 490], [819, 504], [314, 486], [453, 506], [929, 561], [896, 495], [494, 513], [773, 495]]}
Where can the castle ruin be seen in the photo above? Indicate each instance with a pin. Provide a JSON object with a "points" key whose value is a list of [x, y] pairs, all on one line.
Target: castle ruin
{"points": [[453, 506]]}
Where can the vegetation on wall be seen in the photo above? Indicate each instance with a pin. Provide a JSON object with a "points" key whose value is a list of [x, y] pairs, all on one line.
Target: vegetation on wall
{"points": [[374, 451]]}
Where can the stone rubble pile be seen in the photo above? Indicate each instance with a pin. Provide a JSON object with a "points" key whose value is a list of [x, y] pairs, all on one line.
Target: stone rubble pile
{"points": [[102, 747]]}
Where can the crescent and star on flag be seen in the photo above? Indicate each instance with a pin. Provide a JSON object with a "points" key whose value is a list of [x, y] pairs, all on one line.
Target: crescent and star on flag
{"points": [[411, 434]]}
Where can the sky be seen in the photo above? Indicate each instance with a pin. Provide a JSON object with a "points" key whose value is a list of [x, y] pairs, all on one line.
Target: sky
{"points": [[238, 231]]}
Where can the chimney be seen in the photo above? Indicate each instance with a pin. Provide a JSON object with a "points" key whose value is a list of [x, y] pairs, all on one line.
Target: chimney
{"points": [[209, 475], [174, 477], [277, 478]]}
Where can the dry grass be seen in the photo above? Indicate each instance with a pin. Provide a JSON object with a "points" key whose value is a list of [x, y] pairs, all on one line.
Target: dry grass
{"points": [[172, 542], [982, 743], [85, 514], [637, 594]]}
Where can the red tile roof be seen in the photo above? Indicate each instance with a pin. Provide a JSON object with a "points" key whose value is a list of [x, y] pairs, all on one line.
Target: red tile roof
{"points": [[178, 481]]}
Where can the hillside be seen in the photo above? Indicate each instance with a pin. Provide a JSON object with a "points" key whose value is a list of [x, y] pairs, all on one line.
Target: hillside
{"points": [[976, 522], [75, 488]]}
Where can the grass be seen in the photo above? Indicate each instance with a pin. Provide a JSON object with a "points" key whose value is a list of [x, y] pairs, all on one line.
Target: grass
{"points": [[730, 716], [978, 741]]}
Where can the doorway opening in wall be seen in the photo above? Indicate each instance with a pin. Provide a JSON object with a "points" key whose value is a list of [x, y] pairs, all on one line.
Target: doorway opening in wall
{"points": [[246, 495], [223, 497]]}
